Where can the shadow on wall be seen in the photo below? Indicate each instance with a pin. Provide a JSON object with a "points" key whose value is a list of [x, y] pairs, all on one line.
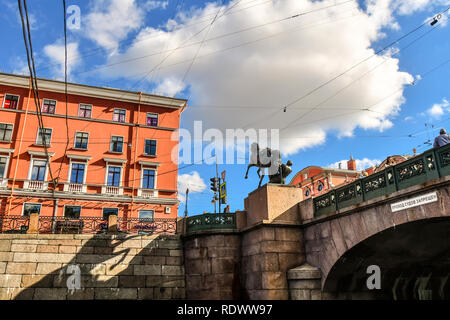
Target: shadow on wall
{"points": [[110, 267]]}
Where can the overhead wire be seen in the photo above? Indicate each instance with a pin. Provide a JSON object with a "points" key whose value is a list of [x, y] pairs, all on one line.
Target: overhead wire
{"points": [[31, 66]]}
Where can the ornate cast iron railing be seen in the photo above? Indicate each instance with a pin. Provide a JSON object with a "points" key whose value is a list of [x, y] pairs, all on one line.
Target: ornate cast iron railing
{"points": [[87, 225], [427, 166], [210, 221], [14, 224], [147, 226], [48, 224]]}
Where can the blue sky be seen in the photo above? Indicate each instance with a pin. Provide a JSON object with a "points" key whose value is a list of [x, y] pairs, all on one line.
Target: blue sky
{"points": [[237, 79]]}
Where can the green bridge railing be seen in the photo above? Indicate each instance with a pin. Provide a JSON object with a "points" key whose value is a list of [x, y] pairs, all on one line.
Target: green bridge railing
{"points": [[431, 164], [211, 221]]}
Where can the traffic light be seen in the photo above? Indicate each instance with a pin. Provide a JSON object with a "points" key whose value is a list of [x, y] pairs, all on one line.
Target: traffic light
{"points": [[214, 184]]}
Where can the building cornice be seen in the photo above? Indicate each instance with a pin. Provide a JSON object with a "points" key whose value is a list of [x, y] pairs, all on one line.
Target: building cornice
{"points": [[79, 157], [40, 153], [6, 150], [95, 92]]}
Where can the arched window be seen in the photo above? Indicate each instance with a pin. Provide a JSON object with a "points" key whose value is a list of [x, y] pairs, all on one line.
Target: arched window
{"points": [[307, 192], [320, 186]]}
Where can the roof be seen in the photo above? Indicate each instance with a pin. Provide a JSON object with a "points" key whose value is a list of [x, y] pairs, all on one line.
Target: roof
{"points": [[325, 170], [92, 91]]}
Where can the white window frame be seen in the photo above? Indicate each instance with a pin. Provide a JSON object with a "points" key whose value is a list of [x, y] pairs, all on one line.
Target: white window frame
{"points": [[125, 120], [42, 105], [4, 178], [48, 142], [4, 100], [69, 205], [12, 131], [113, 164], [142, 177], [23, 207], [148, 154], [139, 213], [70, 171], [157, 118], [84, 104], [30, 170], [75, 140], [123, 143]]}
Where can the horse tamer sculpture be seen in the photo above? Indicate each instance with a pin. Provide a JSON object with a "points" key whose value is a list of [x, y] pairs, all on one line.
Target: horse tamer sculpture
{"points": [[270, 159]]}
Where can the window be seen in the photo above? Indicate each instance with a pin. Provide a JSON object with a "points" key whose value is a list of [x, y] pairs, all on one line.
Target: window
{"points": [[152, 119], [85, 111], [81, 140], [150, 147], [148, 179], [307, 192], [29, 208], [146, 215], [11, 101], [5, 131], [109, 211], [114, 176], [48, 106], [44, 132], [72, 212], [2, 167], [39, 170], [116, 144], [77, 174], [320, 186], [119, 115]]}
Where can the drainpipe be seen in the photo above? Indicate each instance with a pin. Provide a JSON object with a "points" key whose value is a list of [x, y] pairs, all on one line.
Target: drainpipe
{"points": [[135, 152], [20, 148], [55, 212]]}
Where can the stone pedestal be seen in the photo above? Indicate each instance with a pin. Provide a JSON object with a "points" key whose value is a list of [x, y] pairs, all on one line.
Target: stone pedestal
{"points": [[112, 223], [33, 227], [304, 283], [273, 203]]}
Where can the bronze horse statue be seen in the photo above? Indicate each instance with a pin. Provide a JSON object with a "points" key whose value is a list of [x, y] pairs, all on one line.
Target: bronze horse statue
{"points": [[271, 159]]}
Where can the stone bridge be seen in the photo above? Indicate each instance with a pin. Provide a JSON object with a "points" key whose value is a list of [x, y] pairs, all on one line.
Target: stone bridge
{"points": [[280, 247], [411, 246]]}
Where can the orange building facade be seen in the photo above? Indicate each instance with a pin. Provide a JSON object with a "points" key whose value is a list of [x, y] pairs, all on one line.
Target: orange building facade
{"points": [[315, 181], [118, 158]]}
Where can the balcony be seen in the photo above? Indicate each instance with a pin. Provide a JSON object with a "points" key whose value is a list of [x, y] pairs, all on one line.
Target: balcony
{"points": [[111, 190], [75, 188], [147, 193], [35, 185]]}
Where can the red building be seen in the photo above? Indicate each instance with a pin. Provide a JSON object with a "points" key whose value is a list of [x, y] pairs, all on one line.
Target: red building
{"points": [[316, 181], [118, 158]]}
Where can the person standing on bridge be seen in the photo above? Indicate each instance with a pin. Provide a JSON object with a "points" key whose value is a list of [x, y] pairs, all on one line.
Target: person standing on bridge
{"points": [[442, 139]]}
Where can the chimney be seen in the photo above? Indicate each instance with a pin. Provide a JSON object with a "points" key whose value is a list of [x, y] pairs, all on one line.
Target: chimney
{"points": [[351, 164]]}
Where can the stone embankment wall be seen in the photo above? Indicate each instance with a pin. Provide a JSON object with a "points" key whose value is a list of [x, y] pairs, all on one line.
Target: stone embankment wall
{"points": [[110, 267]]}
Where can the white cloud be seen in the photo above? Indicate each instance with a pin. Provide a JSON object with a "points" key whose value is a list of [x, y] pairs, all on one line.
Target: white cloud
{"points": [[151, 5], [407, 7], [439, 109], [55, 52], [169, 86], [361, 164], [193, 181], [279, 63], [110, 21]]}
